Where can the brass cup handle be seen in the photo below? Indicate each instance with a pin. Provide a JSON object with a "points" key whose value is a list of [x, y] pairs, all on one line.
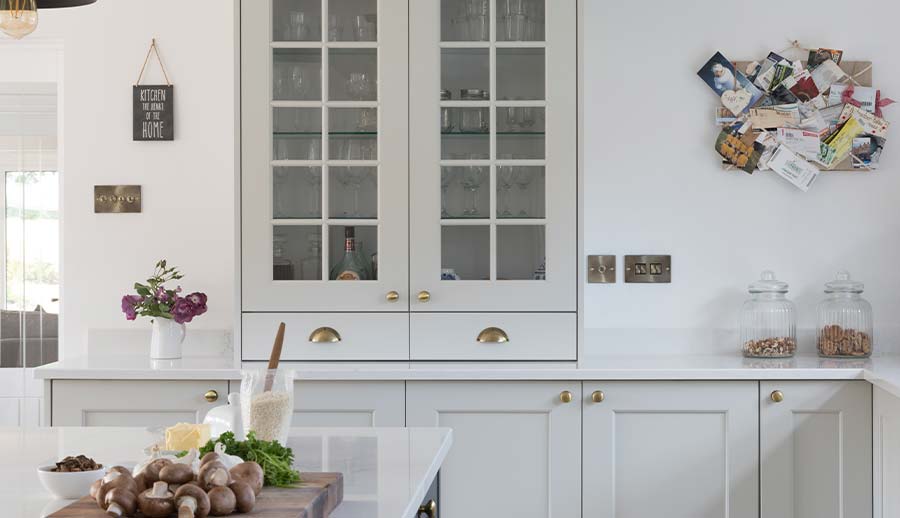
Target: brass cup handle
{"points": [[392, 296], [598, 396], [424, 296], [325, 335], [566, 397], [211, 396], [428, 510], [777, 396], [492, 335]]}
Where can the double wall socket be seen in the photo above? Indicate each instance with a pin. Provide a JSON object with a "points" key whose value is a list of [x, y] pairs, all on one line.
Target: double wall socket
{"points": [[648, 268]]}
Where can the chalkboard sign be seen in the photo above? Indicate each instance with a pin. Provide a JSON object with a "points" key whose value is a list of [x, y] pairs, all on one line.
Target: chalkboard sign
{"points": [[154, 112]]}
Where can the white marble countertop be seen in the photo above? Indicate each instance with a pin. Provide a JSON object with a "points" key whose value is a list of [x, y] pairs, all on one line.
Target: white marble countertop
{"points": [[387, 471]]}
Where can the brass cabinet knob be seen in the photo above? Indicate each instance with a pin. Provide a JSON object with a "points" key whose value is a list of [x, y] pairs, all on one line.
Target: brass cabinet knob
{"points": [[492, 335], [565, 396], [325, 335], [392, 296], [598, 396], [777, 396], [424, 296], [211, 396], [428, 510]]}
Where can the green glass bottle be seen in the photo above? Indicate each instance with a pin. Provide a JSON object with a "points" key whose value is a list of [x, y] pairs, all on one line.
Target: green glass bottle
{"points": [[352, 267]]}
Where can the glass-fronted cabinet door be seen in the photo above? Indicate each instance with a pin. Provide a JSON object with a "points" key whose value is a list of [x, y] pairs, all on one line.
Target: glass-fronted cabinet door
{"points": [[324, 176], [493, 134]]}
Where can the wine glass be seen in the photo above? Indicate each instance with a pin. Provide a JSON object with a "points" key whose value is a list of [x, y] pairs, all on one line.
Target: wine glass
{"points": [[448, 176], [506, 177], [298, 83], [314, 179], [473, 177], [298, 26], [523, 178], [364, 27]]}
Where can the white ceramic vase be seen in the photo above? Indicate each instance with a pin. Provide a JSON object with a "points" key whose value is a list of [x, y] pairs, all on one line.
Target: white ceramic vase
{"points": [[166, 338]]}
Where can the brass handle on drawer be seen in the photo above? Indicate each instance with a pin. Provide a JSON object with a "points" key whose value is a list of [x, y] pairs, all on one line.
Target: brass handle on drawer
{"points": [[392, 296], [777, 396], [424, 296], [428, 510], [565, 396], [598, 396], [325, 335], [492, 335], [211, 396]]}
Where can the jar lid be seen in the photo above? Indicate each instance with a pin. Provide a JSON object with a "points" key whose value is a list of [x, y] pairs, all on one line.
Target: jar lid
{"points": [[843, 284], [445, 95], [767, 283], [473, 94]]}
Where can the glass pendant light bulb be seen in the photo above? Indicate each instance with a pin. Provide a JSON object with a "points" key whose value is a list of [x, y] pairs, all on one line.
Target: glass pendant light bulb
{"points": [[18, 18]]}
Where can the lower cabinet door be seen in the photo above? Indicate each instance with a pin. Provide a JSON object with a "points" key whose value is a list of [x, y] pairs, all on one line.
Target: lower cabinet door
{"points": [[674, 449], [516, 446], [133, 403], [349, 403], [816, 449]]}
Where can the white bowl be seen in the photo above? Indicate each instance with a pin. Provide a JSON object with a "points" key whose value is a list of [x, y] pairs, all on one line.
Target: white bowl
{"points": [[68, 485]]}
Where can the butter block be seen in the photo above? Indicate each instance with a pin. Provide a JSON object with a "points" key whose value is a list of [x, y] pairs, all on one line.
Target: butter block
{"points": [[184, 436]]}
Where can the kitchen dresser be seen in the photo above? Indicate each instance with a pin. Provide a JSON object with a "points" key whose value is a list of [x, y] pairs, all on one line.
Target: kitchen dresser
{"points": [[436, 141]]}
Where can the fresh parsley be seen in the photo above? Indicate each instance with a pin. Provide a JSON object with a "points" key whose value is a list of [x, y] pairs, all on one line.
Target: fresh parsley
{"points": [[277, 461]]}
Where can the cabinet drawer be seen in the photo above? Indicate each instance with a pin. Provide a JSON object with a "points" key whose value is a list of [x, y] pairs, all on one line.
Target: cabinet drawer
{"points": [[531, 336], [363, 336]]}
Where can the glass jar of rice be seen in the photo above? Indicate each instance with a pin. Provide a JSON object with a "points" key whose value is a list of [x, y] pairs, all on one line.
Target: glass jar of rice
{"points": [[267, 403]]}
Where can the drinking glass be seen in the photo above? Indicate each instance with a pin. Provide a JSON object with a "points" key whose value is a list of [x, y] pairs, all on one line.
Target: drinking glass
{"points": [[335, 29], [473, 177], [479, 28], [368, 120], [506, 176], [298, 26], [365, 27], [474, 121], [314, 179], [448, 176], [523, 179], [297, 82], [359, 86]]}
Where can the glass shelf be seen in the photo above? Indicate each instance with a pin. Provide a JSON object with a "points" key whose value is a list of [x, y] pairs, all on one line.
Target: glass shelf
{"points": [[503, 133], [319, 133]]}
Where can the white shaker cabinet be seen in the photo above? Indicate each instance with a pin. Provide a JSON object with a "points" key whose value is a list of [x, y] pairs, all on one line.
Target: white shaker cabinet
{"points": [[886, 442], [349, 403], [133, 403], [678, 449], [516, 446], [815, 449]]}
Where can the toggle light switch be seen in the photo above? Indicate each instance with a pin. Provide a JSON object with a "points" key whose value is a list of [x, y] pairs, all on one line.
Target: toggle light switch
{"points": [[648, 268]]}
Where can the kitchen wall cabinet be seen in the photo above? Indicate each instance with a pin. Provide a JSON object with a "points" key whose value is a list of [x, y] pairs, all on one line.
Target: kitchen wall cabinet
{"points": [[886, 455], [440, 134], [516, 446], [349, 403], [133, 403], [815, 449], [679, 449]]}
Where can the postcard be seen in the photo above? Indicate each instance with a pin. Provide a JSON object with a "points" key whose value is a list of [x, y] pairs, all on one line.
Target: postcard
{"points": [[826, 74], [864, 95], [767, 71], [793, 168], [804, 142], [718, 73], [769, 143], [756, 69], [783, 70], [836, 147], [782, 95], [737, 144], [872, 124], [724, 116], [781, 116], [819, 56], [866, 152], [803, 86]]}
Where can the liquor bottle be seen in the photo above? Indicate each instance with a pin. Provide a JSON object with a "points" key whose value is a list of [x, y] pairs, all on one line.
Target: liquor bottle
{"points": [[352, 267]]}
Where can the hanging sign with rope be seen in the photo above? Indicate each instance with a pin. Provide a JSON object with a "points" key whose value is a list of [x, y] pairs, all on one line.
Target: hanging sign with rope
{"points": [[153, 105]]}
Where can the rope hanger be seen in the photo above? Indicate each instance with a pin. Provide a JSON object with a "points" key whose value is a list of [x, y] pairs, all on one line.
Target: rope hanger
{"points": [[153, 50]]}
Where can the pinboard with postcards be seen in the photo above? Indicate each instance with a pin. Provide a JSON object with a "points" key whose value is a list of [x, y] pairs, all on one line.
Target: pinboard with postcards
{"points": [[797, 117]]}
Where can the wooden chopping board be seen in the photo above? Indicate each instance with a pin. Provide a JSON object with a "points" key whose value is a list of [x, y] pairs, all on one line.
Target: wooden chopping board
{"points": [[316, 497]]}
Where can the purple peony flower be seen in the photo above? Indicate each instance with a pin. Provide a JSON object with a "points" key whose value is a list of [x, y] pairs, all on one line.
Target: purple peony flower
{"points": [[128, 306], [197, 298], [183, 311], [161, 294]]}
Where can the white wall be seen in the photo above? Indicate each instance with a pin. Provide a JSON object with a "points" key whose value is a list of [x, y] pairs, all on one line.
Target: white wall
{"points": [[188, 184], [654, 185]]}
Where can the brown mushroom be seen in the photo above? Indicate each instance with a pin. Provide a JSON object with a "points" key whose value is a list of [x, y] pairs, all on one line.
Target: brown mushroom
{"points": [[151, 471], [112, 480], [120, 502], [221, 501], [191, 501], [141, 483], [209, 457], [213, 474], [95, 487], [251, 473], [176, 473], [157, 501], [244, 496]]}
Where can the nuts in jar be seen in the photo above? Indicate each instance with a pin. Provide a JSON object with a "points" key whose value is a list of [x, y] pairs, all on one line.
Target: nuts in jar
{"points": [[835, 340], [774, 347]]}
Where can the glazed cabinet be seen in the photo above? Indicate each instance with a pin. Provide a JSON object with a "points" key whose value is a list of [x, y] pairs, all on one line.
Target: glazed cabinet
{"points": [[691, 445], [405, 165], [516, 446]]}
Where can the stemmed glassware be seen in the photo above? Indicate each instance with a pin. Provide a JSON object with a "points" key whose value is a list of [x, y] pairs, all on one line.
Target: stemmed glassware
{"points": [[523, 178], [473, 177], [314, 179], [448, 176], [506, 178]]}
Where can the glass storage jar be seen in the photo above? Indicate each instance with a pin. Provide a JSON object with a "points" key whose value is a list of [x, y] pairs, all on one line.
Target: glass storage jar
{"points": [[844, 320], [768, 320]]}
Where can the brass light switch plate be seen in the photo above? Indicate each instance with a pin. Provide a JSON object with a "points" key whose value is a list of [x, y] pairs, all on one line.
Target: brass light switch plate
{"points": [[601, 269], [116, 199], [648, 269]]}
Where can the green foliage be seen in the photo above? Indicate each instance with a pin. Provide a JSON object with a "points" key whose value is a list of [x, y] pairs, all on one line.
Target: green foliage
{"points": [[276, 460]]}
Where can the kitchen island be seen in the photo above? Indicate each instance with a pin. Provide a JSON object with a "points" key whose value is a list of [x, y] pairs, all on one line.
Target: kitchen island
{"points": [[387, 471]]}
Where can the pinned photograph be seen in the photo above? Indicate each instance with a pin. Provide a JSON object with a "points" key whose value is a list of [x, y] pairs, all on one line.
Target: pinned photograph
{"points": [[819, 56], [738, 145], [718, 73]]}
